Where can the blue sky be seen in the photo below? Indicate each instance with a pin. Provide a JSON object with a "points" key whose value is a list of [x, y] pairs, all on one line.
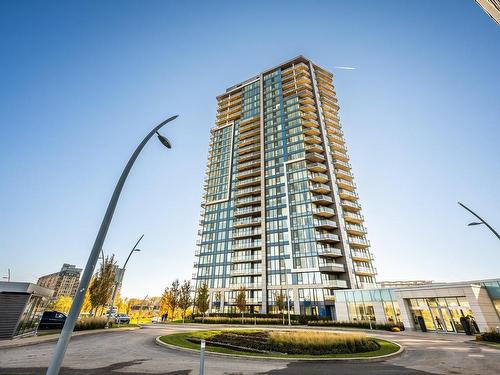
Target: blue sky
{"points": [[82, 82]]}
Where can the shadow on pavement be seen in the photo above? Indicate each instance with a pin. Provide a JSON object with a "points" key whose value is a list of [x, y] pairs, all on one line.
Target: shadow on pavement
{"points": [[322, 368], [111, 369]]}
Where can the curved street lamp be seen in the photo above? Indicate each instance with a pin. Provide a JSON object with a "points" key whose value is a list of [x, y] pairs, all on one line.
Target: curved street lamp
{"points": [[481, 222], [69, 325]]}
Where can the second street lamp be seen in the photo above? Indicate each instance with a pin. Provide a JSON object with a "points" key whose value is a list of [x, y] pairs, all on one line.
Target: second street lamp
{"points": [[481, 222], [119, 280]]}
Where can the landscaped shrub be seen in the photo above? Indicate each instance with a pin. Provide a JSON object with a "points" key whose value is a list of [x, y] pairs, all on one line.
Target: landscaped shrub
{"points": [[292, 342], [90, 323], [361, 324], [492, 336], [245, 320], [320, 342]]}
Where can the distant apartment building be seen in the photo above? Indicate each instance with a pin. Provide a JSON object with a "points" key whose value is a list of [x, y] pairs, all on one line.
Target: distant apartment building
{"points": [[63, 283], [280, 212]]}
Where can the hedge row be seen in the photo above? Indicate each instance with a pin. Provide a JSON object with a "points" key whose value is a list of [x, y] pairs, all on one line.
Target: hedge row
{"points": [[492, 336], [240, 320], [361, 324], [90, 323]]}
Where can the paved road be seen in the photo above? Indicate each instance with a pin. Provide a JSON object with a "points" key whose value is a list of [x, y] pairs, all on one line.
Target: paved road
{"points": [[135, 352]]}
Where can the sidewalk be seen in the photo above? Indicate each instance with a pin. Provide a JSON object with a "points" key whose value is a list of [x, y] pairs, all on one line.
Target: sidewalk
{"points": [[33, 340]]}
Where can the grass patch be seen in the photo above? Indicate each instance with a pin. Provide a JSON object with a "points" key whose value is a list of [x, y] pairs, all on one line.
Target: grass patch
{"points": [[182, 340]]}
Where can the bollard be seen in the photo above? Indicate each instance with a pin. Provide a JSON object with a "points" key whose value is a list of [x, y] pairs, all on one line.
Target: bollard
{"points": [[202, 357]]}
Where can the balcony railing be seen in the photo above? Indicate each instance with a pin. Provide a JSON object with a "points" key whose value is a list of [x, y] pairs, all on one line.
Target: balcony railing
{"points": [[324, 211], [248, 201], [246, 271], [316, 167], [364, 270], [353, 217], [248, 173], [246, 286], [329, 251], [346, 194], [320, 188], [246, 245], [318, 177], [355, 229], [247, 210], [248, 191], [247, 232], [358, 241], [322, 199], [248, 182], [325, 223], [247, 221], [335, 283], [328, 237], [350, 205], [342, 164], [312, 139], [357, 254], [249, 156], [246, 258], [331, 267]]}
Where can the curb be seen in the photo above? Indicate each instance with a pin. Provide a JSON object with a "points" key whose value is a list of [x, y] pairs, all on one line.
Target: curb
{"points": [[291, 359], [17, 343]]}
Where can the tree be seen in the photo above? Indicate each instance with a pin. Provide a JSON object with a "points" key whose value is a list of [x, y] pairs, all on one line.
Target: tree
{"points": [[201, 300], [174, 297], [185, 298], [279, 298], [62, 304], [241, 301], [102, 286]]}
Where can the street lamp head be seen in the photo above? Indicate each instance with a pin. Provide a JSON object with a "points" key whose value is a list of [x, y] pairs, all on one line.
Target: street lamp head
{"points": [[165, 142], [137, 249], [474, 223]]}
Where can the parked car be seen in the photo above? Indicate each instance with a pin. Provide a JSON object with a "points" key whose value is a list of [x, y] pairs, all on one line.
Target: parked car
{"points": [[52, 320], [122, 319]]}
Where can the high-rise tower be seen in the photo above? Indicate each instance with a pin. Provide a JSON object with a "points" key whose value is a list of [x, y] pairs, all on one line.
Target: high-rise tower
{"points": [[280, 212]]}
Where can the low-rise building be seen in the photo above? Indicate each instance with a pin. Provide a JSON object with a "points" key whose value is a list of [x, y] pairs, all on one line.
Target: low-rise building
{"points": [[403, 283], [63, 283], [440, 307], [21, 308]]}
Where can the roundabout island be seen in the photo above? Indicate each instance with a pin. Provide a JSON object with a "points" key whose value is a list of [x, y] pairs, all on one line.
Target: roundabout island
{"points": [[284, 344]]}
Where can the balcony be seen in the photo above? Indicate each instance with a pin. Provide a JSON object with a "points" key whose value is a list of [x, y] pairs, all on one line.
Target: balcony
{"points": [[356, 229], [327, 237], [248, 120], [247, 222], [353, 217], [337, 138], [338, 147], [248, 126], [315, 157], [344, 184], [309, 115], [314, 148], [248, 201], [342, 165], [249, 156], [248, 173], [359, 242], [325, 224], [246, 258], [248, 182], [247, 232], [329, 251], [249, 301], [249, 165], [344, 174], [248, 271], [312, 139], [340, 156], [246, 245], [310, 123], [363, 270], [249, 141], [349, 195], [318, 177], [334, 283], [331, 267], [361, 255], [249, 133], [322, 199], [248, 149], [323, 211], [350, 206], [316, 167], [253, 190], [246, 211], [319, 188], [307, 101]]}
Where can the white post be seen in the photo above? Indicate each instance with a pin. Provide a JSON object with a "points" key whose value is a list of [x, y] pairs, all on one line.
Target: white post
{"points": [[202, 357], [288, 305]]}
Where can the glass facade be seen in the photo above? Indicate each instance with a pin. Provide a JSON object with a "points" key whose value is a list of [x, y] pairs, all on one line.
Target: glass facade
{"points": [[280, 211]]}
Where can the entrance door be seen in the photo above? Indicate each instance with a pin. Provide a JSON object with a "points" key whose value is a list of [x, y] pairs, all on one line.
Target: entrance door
{"points": [[437, 318], [446, 319]]}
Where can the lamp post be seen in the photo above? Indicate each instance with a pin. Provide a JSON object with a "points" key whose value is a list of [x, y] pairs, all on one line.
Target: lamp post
{"points": [[8, 275], [119, 280], [69, 325], [481, 220]]}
